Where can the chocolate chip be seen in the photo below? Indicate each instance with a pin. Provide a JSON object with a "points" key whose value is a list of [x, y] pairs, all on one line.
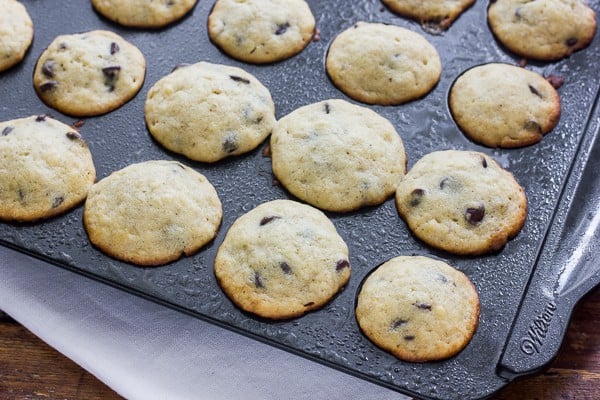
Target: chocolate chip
{"points": [[180, 65], [170, 3], [450, 184], [474, 215], [230, 145], [268, 219], [523, 62], [484, 162], [266, 151], [398, 323], [258, 280], [518, 13], [111, 74], [423, 306], [21, 194], [282, 28], [571, 42], [40, 118], [58, 200], [533, 90], [408, 338], [7, 130], [48, 85], [78, 124], [63, 46], [415, 197], [73, 135], [341, 264], [436, 26], [532, 126], [327, 108], [47, 68], [310, 303], [444, 183], [555, 80], [114, 47], [316, 35], [285, 267], [252, 115], [240, 79], [111, 71]]}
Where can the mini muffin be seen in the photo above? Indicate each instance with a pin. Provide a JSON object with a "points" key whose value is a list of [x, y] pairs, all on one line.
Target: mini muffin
{"points": [[337, 156], [500, 105], [383, 64], [16, 33], [419, 309], [440, 13], [545, 30], [261, 31], [209, 111], [462, 202], [144, 13], [88, 74], [281, 260], [46, 170], [152, 213]]}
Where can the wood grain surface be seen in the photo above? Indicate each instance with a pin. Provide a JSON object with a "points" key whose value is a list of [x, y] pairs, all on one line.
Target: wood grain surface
{"points": [[31, 370]]}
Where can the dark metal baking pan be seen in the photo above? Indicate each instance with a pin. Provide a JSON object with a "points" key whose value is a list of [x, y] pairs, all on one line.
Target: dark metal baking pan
{"points": [[527, 289]]}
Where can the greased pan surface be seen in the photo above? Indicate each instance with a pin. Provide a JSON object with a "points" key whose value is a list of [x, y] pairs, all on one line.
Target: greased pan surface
{"points": [[521, 283]]}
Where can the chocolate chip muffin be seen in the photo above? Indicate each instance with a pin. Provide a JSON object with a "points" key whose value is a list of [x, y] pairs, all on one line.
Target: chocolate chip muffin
{"points": [[501, 105], [47, 168], [337, 156], [261, 31], [88, 74], [417, 308], [544, 30], [281, 260], [462, 202], [383, 64], [208, 111], [16, 33], [152, 213], [438, 14], [144, 13]]}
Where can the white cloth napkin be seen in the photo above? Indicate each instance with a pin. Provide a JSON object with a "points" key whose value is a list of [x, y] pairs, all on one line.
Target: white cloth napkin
{"points": [[146, 351]]}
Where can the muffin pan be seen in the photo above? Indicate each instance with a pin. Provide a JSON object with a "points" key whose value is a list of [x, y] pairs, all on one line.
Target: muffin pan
{"points": [[527, 290]]}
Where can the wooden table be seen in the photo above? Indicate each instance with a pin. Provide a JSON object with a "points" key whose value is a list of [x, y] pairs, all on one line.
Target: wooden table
{"points": [[30, 369]]}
